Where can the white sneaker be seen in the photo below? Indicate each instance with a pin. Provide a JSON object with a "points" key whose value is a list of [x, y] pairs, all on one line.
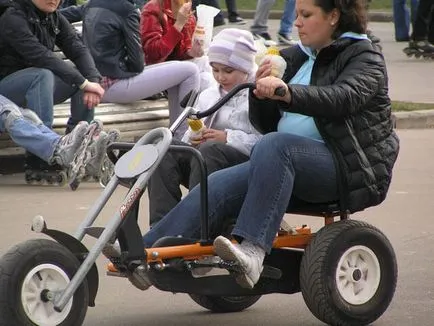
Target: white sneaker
{"points": [[248, 255]]}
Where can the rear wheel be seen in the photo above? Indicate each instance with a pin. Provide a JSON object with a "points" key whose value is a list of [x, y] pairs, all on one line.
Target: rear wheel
{"points": [[225, 303], [348, 274], [30, 274]]}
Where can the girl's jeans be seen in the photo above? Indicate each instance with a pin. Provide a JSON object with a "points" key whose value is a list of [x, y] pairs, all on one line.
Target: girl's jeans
{"points": [[258, 191]]}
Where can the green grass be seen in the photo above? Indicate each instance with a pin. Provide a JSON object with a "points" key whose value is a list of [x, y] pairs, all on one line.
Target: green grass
{"points": [[251, 5], [410, 106]]}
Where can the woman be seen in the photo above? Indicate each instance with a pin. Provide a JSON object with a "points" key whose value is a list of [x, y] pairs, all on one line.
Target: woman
{"points": [[166, 30], [329, 138], [111, 30]]}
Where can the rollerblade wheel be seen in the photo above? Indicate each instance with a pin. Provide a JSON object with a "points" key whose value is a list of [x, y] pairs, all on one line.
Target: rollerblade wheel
{"points": [[62, 178]]}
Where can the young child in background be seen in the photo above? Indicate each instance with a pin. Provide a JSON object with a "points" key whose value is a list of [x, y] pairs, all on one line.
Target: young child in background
{"points": [[228, 136]]}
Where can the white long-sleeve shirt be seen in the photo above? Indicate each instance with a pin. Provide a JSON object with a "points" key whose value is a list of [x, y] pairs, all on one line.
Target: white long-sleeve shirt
{"points": [[233, 117]]}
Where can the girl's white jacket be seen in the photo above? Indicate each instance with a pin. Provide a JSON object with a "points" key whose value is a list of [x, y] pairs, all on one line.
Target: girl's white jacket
{"points": [[240, 132]]}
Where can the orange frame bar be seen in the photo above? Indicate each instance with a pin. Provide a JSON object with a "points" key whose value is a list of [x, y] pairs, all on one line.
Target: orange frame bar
{"points": [[191, 251]]}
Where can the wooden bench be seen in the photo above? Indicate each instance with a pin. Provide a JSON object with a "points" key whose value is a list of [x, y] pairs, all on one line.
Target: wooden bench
{"points": [[133, 120]]}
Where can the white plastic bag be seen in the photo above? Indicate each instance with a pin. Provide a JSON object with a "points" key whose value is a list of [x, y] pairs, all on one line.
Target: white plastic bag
{"points": [[204, 25]]}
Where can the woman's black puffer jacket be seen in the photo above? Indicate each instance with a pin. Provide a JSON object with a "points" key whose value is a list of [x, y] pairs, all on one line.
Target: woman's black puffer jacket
{"points": [[348, 98]]}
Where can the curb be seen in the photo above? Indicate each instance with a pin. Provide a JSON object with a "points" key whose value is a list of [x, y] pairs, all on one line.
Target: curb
{"points": [[421, 119], [373, 16]]}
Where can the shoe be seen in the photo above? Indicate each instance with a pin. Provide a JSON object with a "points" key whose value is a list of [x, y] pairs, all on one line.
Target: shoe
{"points": [[405, 39], [107, 166], [98, 151], [285, 39], [236, 20], [248, 256], [219, 22], [69, 144], [268, 41], [112, 250]]}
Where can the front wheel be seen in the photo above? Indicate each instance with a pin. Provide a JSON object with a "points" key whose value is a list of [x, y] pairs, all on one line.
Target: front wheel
{"points": [[348, 274], [225, 303], [31, 270]]}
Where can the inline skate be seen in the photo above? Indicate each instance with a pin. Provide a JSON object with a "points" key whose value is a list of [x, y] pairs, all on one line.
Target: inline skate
{"points": [[37, 171], [77, 169], [419, 49], [107, 166]]}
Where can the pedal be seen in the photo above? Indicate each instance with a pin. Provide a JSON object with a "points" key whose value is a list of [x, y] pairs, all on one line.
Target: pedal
{"points": [[116, 274], [271, 272]]}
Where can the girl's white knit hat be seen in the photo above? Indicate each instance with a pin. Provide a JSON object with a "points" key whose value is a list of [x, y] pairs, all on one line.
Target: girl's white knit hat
{"points": [[235, 48]]}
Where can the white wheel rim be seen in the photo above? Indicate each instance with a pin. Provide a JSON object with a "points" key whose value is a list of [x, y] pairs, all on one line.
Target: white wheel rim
{"points": [[44, 277], [358, 275]]}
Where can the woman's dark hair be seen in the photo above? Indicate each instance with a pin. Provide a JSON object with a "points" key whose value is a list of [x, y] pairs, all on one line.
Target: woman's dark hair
{"points": [[353, 17]]}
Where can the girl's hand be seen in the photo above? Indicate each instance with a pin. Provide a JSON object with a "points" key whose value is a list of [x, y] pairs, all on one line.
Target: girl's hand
{"points": [[265, 88], [196, 50], [216, 135], [183, 15]]}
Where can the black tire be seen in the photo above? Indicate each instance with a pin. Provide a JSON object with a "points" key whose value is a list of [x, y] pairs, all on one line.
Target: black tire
{"points": [[39, 257], [338, 293], [223, 304]]}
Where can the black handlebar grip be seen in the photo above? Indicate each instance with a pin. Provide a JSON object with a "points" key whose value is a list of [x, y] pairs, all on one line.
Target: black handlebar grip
{"points": [[280, 91]]}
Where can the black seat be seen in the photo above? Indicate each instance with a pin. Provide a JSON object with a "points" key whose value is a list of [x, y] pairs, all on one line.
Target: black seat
{"points": [[301, 207]]}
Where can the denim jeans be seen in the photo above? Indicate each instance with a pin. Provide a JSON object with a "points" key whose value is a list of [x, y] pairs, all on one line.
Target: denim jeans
{"points": [[180, 168], [36, 138], [288, 18], [401, 18], [31, 88], [257, 191], [79, 111]]}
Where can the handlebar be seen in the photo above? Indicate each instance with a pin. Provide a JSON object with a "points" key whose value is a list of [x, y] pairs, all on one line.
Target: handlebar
{"points": [[280, 91]]}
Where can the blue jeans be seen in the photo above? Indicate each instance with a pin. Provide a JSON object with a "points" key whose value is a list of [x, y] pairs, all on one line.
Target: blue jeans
{"points": [[258, 191], [36, 138], [79, 111], [288, 18], [401, 18], [31, 88]]}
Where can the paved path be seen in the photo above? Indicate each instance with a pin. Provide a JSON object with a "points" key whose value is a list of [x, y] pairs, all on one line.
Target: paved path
{"points": [[406, 218]]}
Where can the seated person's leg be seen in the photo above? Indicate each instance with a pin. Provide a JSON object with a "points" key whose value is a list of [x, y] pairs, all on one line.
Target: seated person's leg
{"points": [[282, 165], [225, 197], [29, 132], [36, 84], [164, 185], [217, 156], [79, 111]]}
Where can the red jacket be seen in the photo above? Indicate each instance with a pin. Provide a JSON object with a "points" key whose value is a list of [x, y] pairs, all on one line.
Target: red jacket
{"points": [[160, 40]]}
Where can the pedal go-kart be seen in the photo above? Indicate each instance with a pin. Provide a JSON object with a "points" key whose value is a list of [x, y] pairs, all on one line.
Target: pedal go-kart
{"points": [[346, 272]]}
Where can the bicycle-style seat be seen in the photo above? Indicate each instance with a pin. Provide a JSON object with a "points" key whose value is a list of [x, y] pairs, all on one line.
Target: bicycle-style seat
{"points": [[301, 207]]}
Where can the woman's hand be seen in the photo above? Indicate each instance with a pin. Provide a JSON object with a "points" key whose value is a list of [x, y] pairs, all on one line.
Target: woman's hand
{"points": [[196, 50], [265, 88], [183, 15]]}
